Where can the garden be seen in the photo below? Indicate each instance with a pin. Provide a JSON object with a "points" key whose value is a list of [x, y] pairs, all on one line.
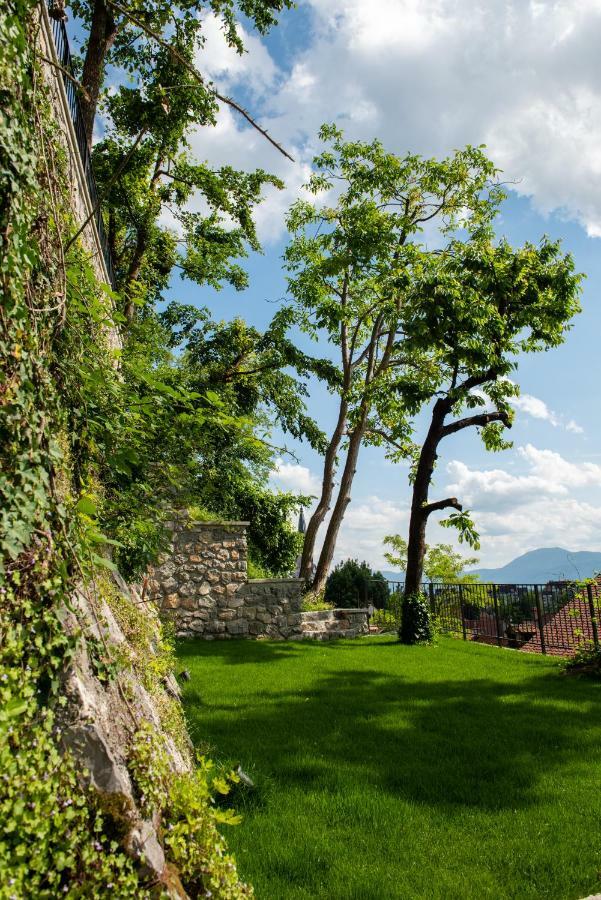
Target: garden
{"points": [[378, 770]]}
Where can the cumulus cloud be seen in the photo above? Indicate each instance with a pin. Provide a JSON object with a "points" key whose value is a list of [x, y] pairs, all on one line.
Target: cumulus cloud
{"points": [[294, 477], [432, 75], [365, 526], [538, 409], [551, 503]]}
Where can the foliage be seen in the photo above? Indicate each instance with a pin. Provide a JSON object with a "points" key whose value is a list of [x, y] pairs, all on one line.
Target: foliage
{"points": [[585, 662], [353, 265], [191, 817], [441, 563], [352, 583], [315, 603], [389, 616], [416, 624], [79, 464]]}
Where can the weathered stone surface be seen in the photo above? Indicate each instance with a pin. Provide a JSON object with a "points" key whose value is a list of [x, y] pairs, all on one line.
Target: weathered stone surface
{"points": [[214, 598], [142, 843], [91, 748]]}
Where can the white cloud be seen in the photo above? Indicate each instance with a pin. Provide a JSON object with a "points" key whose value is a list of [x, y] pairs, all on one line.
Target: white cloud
{"points": [[538, 409], [365, 526], [432, 75], [294, 477], [553, 502], [254, 68]]}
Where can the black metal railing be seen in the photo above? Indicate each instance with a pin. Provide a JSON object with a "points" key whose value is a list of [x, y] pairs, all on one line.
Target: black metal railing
{"points": [[63, 54], [558, 617]]}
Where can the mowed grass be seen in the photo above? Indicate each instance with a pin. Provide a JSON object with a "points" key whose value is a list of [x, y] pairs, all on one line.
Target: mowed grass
{"points": [[452, 771]]}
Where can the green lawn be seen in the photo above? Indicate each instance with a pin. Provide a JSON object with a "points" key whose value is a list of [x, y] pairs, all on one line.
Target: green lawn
{"points": [[453, 771]]}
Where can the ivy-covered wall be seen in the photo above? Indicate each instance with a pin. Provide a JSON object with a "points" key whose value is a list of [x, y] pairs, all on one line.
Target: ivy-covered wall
{"points": [[99, 796]]}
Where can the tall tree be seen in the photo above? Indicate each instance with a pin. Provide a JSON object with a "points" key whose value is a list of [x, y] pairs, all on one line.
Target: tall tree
{"points": [[478, 305], [167, 211], [128, 37], [351, 261]]}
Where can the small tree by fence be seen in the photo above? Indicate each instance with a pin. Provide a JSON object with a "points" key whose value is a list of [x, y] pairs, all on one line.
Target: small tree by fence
{"points": [[557, 618]]}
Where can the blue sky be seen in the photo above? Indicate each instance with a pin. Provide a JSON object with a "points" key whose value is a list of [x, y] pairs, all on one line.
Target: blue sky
{"points": [[428, 76]]}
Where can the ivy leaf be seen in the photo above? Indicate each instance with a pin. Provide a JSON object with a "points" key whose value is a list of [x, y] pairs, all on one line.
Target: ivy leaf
{"points": [[86, 506]]}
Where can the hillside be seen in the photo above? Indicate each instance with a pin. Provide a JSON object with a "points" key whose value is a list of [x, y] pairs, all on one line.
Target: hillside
{"points": [[535, 567], [545, 564]]}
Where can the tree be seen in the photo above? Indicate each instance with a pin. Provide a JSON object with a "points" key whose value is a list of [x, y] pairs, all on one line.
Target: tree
{"points": [[442, 563], [257, 378], [351, 264], [352, 583], [162, 183], [128, 39], [477, 305]]}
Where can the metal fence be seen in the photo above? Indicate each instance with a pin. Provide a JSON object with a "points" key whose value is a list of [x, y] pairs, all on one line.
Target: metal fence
{"points": [[557, 618], [63, 54]]}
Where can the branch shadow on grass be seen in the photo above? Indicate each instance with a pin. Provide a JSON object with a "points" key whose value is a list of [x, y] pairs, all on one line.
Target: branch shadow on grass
{"points": [[481, 743]]}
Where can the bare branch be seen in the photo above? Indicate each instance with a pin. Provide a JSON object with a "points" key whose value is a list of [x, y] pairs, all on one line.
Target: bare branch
{"points": [[479, 420], [442, 504]]}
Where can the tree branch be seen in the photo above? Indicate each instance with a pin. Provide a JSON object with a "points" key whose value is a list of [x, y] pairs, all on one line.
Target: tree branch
{"points": [[479, 420], [197, 76], [442, 504]]}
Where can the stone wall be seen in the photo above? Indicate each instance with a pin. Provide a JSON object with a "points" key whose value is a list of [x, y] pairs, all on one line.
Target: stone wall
{"points": [[327, 624], [202, 585]]}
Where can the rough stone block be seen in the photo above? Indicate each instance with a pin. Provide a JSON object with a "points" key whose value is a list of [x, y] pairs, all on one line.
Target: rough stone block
{"points": [[235, 602], [238, 626]]}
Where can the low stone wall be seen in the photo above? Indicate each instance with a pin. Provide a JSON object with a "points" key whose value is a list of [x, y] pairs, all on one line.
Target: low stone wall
{"points": [[334, 623], [202, 585]]}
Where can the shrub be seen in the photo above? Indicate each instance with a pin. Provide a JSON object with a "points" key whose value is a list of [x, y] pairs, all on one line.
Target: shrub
{"points": [[354, 584], [586, 661], [416, 623]]}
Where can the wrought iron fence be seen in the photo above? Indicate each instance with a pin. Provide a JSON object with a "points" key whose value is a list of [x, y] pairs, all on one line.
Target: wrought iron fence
{"points": [[63, 54], [557, 618]]}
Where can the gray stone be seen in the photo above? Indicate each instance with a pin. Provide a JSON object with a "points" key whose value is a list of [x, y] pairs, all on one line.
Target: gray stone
{"points": [[142, 844], [93, 753]]}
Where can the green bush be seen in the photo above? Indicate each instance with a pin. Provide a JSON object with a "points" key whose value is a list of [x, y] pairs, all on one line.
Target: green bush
{"points": [[354, 584], [586, 661], [416, 623]]}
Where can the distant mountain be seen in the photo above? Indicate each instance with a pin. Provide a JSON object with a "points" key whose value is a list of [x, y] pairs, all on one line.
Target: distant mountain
{"points": [[535, 567], [546, 564]]}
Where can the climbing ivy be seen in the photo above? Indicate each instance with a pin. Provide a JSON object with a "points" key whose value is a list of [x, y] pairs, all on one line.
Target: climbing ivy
{"points": [[66, 417]]}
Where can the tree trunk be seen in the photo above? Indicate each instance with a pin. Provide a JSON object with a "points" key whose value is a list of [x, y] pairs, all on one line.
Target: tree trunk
{"points": [[342, 501], [327, 489], [416, 546], [103, 31]]}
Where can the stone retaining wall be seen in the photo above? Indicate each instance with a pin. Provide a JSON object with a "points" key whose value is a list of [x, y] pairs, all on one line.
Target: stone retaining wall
{"points": [[202, 585], [334, 623]]}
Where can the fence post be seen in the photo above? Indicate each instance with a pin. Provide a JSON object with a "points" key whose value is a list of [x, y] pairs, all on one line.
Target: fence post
{"points": [[539, 616], [497, 619], [463, 626], [591, 606], [432, 600]]}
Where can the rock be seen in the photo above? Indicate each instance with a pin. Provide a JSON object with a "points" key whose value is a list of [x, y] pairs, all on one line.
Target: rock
{"points": [[142, 844], [93, 754], [171, 686], [244, 778], [184, 675]]}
